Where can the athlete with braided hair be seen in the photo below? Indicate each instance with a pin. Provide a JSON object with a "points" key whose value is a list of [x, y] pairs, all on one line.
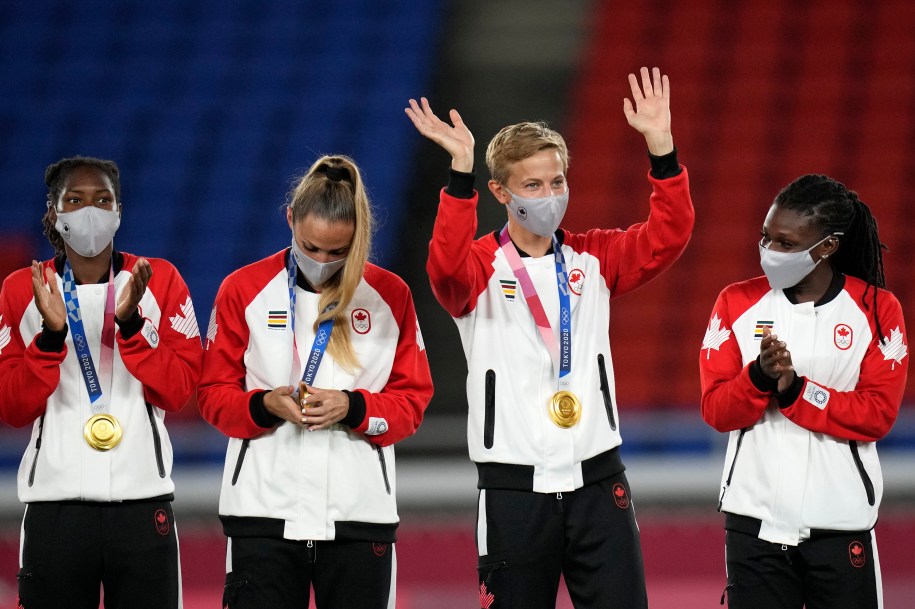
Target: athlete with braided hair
{"points": [[805, 368]]}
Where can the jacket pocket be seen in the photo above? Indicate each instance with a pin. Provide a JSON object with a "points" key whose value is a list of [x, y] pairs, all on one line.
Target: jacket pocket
{"points": [[241, 459], [157, 441], [384, 469], [727, 482], [868, 483], [489, 412], [605, 390], [37, 450]]}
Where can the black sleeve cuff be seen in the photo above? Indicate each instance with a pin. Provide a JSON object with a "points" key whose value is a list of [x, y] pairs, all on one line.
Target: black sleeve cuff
{"points": [[51, 341], [131, 325], [356, 414], [790, 395], [760, 380], [259, 413], [665, 166], [460, 184]]}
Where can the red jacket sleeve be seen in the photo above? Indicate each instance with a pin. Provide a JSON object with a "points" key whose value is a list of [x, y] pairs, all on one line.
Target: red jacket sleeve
{"points": [[408, 390], [166, 359], [730, 399], [28, 375], [630, 258], [868, 412], [457, 266], [221, 395]]}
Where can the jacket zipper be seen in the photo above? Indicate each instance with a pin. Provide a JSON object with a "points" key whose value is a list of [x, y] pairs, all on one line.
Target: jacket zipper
{"points": [[241, 458], [727, 483], [489, 415], [384, 469], [605, 390], [37, 449], [868, 484], [157, 442]]}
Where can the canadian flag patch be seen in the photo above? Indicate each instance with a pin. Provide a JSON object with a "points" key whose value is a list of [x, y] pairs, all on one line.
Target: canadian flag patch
{"points": [[362, 321]]}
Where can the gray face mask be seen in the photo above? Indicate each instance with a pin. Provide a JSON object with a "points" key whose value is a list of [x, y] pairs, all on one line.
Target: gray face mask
{"points": [[787, 269], [539, 216], [88, 231], [317, 273]]}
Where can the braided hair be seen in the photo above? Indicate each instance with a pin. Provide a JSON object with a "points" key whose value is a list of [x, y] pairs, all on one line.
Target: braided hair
{"points": [[56, 175], [833, 209]]}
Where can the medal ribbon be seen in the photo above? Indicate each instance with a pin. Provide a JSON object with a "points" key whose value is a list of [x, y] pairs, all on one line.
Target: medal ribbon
{"points": [[92, 379], [561, 350], [322, 336]]}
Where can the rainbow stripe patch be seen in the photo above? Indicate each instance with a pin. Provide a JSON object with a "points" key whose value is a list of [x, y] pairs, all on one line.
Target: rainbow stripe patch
{"points": [[509, 288], [276, 320], [758, 333]]}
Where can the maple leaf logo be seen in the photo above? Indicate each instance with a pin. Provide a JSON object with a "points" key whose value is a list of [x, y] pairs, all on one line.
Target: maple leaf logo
{"points": [[619, 491], [575, 277], [211, 327], [893, 348], [715, 336], [160, 517], [5, 335], [185, 322], [856, 550], [487, 598], [843, 331], [360, 316]]}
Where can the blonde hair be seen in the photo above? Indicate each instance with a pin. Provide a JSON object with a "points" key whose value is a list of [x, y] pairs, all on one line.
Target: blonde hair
{"points": [[519, 141], [332, 190]]}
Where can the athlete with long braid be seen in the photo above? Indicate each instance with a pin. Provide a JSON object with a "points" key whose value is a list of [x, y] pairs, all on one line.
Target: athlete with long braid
{"points": [[805, 368]]}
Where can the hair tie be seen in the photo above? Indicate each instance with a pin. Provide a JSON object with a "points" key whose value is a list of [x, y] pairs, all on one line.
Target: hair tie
{"points": [[335, 174]]}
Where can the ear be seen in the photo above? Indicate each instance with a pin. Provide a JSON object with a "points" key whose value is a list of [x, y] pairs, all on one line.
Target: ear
{"points": [[289, 217], [829, 247], [499, 192]]}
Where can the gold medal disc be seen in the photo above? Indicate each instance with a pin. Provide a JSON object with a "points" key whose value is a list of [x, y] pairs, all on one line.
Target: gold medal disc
{"points": [[303, 393], [102, 432], [565, 409]]}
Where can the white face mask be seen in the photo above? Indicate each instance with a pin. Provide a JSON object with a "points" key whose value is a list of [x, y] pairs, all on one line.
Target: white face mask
{"points": [[315, 272], [88, 231], [787, 269], [540, 216]]}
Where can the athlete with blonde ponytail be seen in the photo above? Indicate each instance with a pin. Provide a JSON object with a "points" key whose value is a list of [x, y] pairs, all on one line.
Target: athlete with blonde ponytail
{"points": [[314, 368]]}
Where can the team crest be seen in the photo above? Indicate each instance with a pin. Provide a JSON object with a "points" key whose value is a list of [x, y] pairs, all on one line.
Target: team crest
{"points": [[379, 548], [842, 336], [361, 320], [856, 554], [576, 281], [620, 496], [162, 524]]}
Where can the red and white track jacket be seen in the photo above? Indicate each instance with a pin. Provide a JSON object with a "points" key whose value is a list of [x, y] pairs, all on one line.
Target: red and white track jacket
{"points": [[281, 480], [805, 460], [511, 377], [155, 371]]}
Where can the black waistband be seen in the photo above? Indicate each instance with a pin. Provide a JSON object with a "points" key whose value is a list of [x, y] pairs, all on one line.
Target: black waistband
{"points": [[257, 526], [509, 476], [158, 499], [751, 526]]}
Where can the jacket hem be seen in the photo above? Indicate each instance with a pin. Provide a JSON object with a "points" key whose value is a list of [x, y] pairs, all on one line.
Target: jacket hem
{"points": [[350, 530], [748, 525], [514, 477]]}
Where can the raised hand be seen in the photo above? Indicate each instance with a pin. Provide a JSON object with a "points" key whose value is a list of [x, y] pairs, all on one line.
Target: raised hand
{"points": [[456, 140], [133, 292], [650, 115], [48, 299]]}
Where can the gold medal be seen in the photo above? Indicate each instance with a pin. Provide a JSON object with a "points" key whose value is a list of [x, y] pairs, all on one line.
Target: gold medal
{"points": [[303, 393], [565, 409], [102, 432]]}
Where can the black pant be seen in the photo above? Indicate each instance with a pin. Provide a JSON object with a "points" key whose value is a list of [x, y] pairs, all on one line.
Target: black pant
{"points": [[70, 549], [526, 540], [832, 572], [277, 573]]}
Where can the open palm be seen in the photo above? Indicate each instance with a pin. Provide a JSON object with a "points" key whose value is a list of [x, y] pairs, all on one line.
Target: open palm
{"points": [[456, 139]]}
